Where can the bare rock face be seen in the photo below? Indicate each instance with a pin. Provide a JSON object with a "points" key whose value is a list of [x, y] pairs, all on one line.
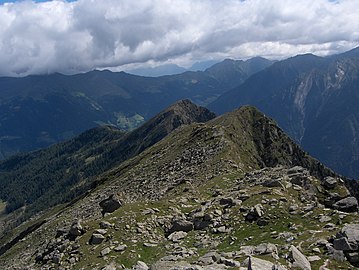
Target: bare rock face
{"points": [[110, 204]]}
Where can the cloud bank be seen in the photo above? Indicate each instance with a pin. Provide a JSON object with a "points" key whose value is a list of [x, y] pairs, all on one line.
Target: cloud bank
{"points": [[71, 37]]}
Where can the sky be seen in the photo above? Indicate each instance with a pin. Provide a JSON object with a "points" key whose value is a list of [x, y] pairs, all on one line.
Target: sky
{"points": [[43, 37]]}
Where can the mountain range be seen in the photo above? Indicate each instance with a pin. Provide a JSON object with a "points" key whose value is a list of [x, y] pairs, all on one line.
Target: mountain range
{"points": [[171, 69], [314, 99], [186, 190], [37, 111]]}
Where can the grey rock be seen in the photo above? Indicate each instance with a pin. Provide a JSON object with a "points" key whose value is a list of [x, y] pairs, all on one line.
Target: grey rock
{"points": [[255, 213], [120, 248], [57, 258], [229, 262], [253, 263], [349, 204], [353, 257], [101, 231], [171, 265], [222, 229], [181, 225], [266, 248], [351, 232], [140, 266], [201, 220], [323, 219], [330, 182], [229, 202], [176, 236], [110, 204], [272, 183], [111, 266], [76, 229], [105, 225], [341, 244], [60, 232], [337, 255], [262, 222], [96, 239], [209, 258], [314, 258], [105, 251], [298, 259]]}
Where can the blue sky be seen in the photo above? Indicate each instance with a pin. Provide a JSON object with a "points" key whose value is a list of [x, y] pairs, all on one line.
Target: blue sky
{"points": [[77, 36]]}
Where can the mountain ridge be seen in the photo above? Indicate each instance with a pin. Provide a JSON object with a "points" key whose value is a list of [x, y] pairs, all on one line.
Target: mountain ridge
{"points": [[312, 98], [215, 186], [64, 171], [37, 111]]}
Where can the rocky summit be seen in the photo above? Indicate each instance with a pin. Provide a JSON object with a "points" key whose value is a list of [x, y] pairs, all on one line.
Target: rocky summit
{"points": [[233, 192]]}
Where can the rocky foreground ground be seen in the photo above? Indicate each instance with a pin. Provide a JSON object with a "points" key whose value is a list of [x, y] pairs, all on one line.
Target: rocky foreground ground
{"points": [[274, 218]]}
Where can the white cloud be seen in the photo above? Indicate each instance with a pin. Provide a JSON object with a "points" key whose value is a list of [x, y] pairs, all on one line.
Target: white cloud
{"points": [[70, 37]]}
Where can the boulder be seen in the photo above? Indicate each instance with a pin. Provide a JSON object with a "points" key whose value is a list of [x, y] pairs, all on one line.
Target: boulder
{"points": [[180, 225], [209, 258], [255, 213], [265, 249], [330, 182], [228, 202], [176, 236], [76, 229], [110, 204], [353, 258], [349, 204], [120, 248], [337, 255], [229, 262], [96, 239], [260, 264], [105, 251], [298, 259], [140, 266], [174, 265], [341, 244], [105, 225], [351, 232], [201, 220], [272, 183]]}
